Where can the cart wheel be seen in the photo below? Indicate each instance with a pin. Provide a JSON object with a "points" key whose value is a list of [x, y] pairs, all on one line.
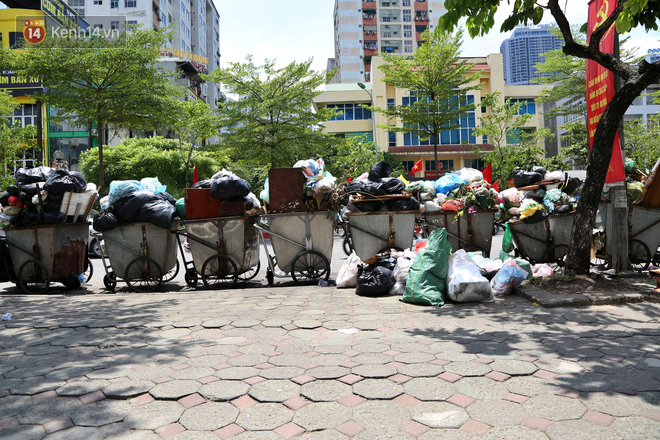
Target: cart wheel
{"points": [[191, 277], [347, 245], [143, 275], [33, 277], [89, 272], [250, 273], [110, 281], [640, 255], [169, 276], [555, 256], [310, 266], [219, 271], [270, 277]]}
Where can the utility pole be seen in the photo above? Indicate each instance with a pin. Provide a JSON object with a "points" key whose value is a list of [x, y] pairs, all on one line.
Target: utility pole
{"points": [[373, 116]]}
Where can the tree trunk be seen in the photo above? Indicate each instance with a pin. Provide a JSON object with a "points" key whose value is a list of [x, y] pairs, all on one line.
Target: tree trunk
{"points": [[577, 260], [101, 136], [435, 156]]}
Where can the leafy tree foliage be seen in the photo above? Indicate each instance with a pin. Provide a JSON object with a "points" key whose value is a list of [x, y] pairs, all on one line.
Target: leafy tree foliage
{"points": [[437, 79], [634, 78], [355, 156], [643, 141], [114, 82], [272, 123], [13, 138]]}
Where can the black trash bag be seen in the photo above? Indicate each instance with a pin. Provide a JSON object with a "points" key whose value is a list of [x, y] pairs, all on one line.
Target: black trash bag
{"points": [[392, 185], [562, 209], [525, 178], [370, 206], [542, 171], [53, 218], [230, 188], [379, 171], [377, 281], [32, 188], [13, 190], [105, 220], [404, 204], [373, 188], [71, 283], [65, 181], [538, 216], [127, 207], [6, 269], [33, 175], [570, 185], [4, 198], [355, 186], [203, 184], [25, 218], [27, 200], [167, 197], [249, 202], [488, 275], [536, 195], [157, 212]]}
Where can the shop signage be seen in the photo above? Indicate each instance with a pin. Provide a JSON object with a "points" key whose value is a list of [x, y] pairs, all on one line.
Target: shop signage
{"points": [[19, 85], [59, 11]]}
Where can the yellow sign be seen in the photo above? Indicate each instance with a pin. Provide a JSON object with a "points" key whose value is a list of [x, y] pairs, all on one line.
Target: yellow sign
{"points": [[188, 56]]}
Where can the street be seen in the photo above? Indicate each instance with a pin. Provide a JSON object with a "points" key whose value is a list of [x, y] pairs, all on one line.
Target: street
{"points": [[316, 362]]}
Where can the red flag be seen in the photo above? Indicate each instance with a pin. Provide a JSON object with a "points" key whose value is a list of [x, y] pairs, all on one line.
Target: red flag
{"points": [[416, 168], [496, 187], [488, 173], [600, 85], [195, 176]]}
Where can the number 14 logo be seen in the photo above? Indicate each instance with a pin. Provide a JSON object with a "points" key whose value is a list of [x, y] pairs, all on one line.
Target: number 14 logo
{"points": [[34, 31]]}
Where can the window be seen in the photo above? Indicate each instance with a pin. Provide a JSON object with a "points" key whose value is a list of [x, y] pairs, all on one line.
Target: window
{"points": [[392, 138], [114, 4], [131, 22], [528, 106], [183, 45], [406, 15], [114, 25], [408, 164], [467, 123], [16, 40], [477, 164], [26, 115], [407, 30], [390, 102], [350, 112], [405, 3], [130, 3], [98, 2], [98, 26], [407, 46]]}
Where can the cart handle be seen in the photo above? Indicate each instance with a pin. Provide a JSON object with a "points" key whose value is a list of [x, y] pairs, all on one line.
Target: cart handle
{"points": [[265, 229], [386, 240]]}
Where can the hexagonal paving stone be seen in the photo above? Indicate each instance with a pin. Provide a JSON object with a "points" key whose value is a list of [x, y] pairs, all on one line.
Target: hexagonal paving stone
{"points": [[372, 358], [374, 371], [77, 433], [23, 432], [45, 411], [193, 373], [326, 434], [237, 373], [330, 359], [128, 389], [224, 390], [288, 360], [264, 417], [579, 429], [429, 388], [81, 387], [448, 434], [110, 372], [13, 405], [513, 433], [325, 390], [497, 412], [174, 333], [377, 389], [101, 413], [381, 414], [153, 415], [216, 323], [421, 370], [382, 434], [413, 358], [66, 373], [371, 348], [456, 356], [531, 386], [439, 415], [175, 389], [637, 428], [276, 322], [467, 368], [194, 435], [274, 390], [317, 416], [614, 404], [513, 367], [256, 348], [257, 435], [35, 386], [281, 372], [481, 388], [209, 416], [555, 408], [559, 366], [328, 372], [307, 323]]}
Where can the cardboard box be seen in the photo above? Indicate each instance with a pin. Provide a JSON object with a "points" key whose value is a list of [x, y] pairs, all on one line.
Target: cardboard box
{"points": [[200, 205]]}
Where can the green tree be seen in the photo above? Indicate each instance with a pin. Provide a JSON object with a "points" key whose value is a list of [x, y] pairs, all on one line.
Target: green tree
{"points": [[273, 122], [643, 141], [575, 148], [634, 79], [355, 156], [192, 121], [437, 79], [115, 82]]}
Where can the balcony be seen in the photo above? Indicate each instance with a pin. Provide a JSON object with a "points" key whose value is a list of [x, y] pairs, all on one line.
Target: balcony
{"points": [[422, 17], [421, 6], [390, 3], [370, 35], [370, 52], [369, 17]]}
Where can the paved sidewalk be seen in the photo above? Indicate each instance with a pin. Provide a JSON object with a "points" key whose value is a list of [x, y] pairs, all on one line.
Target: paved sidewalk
{"points": [[321, 363]]}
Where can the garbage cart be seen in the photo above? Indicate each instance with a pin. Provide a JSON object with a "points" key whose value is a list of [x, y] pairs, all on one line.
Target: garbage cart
{"points": [[48, 253], [374, 232], [224, 250], [302, 244], [141, 254], [471, 232], [545, 241]]}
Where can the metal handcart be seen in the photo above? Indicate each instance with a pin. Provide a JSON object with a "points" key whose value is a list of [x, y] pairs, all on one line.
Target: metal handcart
{"points": [[643, 235], [471, 232], [375, 232], [302, 244], [224, 250], [48, 253], [141, 254], [545, 241]]}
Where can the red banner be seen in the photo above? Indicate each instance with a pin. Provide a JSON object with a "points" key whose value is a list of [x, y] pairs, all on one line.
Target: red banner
{"points": [[600, 84]]}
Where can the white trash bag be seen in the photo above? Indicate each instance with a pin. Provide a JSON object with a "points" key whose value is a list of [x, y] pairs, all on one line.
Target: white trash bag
{"points": [[347, 276], [464, 281]]}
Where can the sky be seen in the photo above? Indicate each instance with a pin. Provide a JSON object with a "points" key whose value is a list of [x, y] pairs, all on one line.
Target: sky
{"points": [[297, 30]]}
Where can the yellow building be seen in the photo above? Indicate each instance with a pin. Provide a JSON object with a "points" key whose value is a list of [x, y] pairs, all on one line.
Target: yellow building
{"points": [[30, 112], [456, 147]]}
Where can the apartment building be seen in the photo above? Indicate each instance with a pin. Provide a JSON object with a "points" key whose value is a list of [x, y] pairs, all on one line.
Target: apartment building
{"points": [[365, 28], [523, 49]]}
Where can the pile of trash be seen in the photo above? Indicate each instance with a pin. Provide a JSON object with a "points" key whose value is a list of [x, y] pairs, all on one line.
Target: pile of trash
{"points": [[227, 186], [136, 201], [464, 191], [377, 191], [37, 195]]}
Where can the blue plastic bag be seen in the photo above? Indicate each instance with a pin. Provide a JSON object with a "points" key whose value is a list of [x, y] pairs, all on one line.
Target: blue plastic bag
{"points": [[119, 188], [507, 279], [448, 183]]}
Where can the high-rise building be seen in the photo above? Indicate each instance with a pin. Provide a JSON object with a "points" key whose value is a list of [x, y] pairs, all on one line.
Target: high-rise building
{"points": [[364, 28], [523, 49]]}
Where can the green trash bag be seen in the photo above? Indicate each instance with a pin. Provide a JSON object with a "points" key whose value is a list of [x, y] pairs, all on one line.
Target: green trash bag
{"points": [[427, 278], [507, 241], [181, 208]]}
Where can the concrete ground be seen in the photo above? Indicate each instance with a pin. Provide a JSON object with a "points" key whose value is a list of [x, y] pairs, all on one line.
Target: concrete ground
{"points": [[312, 362]]}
